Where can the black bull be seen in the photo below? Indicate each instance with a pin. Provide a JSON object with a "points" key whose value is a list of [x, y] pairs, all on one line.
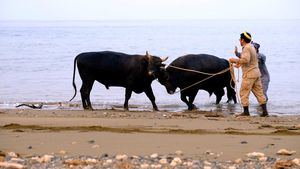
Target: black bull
{"points": [[133, 72], [173, 77]]}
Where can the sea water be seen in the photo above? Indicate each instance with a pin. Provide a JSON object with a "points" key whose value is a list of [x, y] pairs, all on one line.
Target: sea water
{"points": [[36, 59]]}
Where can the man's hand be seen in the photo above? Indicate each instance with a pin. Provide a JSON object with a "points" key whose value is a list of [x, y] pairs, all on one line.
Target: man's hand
{"points": [[237, 65], [233, 60], [235, 50]]}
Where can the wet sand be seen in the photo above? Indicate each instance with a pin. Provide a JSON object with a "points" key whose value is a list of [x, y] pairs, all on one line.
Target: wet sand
{"points": [[204, 135]]}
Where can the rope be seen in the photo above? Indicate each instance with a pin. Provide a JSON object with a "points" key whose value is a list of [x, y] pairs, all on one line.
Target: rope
{"points": [[195, 71], [231, 69], [235, 82], [212, 75]]}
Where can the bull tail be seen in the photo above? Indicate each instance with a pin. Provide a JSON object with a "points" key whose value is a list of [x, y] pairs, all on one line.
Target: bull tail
{"points": [[74, 85]]}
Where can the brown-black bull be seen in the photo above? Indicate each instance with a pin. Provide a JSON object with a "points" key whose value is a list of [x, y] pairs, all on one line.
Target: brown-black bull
{"points": [[133, 72], [178, 74]]}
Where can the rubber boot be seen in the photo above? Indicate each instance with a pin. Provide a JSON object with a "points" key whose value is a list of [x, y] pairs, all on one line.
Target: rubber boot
{"points": [[265, 111], [246, 111]]}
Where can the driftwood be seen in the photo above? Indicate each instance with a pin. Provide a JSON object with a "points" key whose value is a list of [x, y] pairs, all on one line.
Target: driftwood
{"points": [[33, 106]]}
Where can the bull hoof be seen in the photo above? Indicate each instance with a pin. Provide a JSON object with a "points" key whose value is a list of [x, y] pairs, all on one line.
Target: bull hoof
{"points": [[230, 100], [243, 114], [155, 109], [264, 115], [88, 108], [193, 107]]}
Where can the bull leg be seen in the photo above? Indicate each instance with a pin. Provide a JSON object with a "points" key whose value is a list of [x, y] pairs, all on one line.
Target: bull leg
{"points": [[151, 96], [191, 100], [85, 91], [183, 98], [219, 94], [231, 95], [190, 104], [128, 93]]}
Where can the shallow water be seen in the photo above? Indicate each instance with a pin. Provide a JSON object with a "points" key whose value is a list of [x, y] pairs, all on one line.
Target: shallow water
{"points": [[36, 59]]}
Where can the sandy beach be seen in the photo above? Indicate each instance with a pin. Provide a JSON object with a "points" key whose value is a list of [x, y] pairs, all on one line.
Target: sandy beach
{"points": [[195, 134]]}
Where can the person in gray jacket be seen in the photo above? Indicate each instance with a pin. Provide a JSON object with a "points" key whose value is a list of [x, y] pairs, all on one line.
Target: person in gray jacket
{"points": [[265, 76]]}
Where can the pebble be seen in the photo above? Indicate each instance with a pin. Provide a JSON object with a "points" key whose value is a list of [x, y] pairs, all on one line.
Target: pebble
{"points": [[255, 154], [177, 160], [91, 141], [285, 152], [154, 155], [74, 162], [122, 157], [207, 163], [16, 160], [2, 153], [135, 157], [95, 146], [244, 142], [144, 166], [12, 154], [88, 167], [207, 167], [179, 152], [262, 158], [219, 154], [296, 161], [156, 166], [189, 163], [43, 159], [173, 164], [282, 164], [238, 161], [163, 161], [109, 161], [208, 152], [11, 165], [231, 167], [91, 161]]}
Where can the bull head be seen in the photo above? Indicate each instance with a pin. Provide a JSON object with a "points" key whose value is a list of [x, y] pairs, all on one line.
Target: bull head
{"points": [[154, 64], [166, 80]]}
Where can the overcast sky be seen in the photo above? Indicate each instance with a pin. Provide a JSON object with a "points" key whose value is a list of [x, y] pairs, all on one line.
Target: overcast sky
{"points": [[147, 9]]}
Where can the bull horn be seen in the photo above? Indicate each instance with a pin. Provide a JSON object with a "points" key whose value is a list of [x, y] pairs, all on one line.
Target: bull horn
{"points": [[147, 54], [164, 58]]}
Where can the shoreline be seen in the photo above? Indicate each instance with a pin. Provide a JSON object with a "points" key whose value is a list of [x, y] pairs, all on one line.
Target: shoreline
{"points": [[210, 136]]}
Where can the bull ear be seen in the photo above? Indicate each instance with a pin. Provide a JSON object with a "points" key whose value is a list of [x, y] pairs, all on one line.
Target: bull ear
{"points": [[164, 58]]}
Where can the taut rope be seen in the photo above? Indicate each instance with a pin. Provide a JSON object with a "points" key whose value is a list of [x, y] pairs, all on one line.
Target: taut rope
{"points": [[210, 75], [196, 71]]}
